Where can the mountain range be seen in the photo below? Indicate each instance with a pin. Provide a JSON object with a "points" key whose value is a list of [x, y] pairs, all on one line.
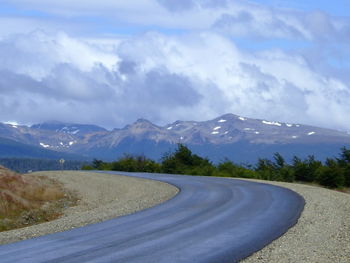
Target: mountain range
{"points": [[229, 136]]}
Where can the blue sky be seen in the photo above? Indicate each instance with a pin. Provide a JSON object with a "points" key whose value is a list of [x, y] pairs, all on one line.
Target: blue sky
{"points": [[337, 8], [165, 60]]}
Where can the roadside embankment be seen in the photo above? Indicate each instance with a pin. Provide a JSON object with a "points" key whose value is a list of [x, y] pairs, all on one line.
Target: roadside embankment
{"points": [[28, 199]]}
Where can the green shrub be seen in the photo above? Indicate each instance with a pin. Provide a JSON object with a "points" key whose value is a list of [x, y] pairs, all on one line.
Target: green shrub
{"points": [[331, 175]]}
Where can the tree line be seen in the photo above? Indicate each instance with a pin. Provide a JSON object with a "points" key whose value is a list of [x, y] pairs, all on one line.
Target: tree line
{"points": [[333, 173]]}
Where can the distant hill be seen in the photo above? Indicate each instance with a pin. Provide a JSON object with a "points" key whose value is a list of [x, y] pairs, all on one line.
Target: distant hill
{"points": [[229, 136], [14, 149], [76, 129]]}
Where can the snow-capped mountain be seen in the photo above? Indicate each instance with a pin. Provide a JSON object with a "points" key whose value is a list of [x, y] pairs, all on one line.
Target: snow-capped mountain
{"points": [[69, 128], [228, 136]]}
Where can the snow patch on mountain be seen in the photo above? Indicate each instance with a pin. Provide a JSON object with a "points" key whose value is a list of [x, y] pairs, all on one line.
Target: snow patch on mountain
{"points": [[74, 132], [272, 123], [44, 145], [13, 123], [69, 130]]}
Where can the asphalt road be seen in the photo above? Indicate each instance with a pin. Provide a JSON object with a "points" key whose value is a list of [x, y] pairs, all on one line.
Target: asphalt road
{"points": [[210, 220]]}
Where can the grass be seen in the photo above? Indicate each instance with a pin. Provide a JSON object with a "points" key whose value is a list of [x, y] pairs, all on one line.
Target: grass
{"points": [[28, 199]]}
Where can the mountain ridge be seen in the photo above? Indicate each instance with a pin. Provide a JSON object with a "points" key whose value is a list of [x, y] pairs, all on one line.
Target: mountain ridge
{"points": [[227, 136]]}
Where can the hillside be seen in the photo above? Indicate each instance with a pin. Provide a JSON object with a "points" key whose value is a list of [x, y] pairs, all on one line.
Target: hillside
{"points": [[14, 149], [28, 199]]}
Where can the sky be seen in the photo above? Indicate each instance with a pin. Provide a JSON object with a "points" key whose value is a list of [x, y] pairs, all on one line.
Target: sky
{"points": [[110, 62]]}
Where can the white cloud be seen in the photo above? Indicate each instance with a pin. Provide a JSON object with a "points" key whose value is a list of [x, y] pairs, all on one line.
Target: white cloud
{"points": [[80, 74], [36, 54], [162, 78], [238, 18]]}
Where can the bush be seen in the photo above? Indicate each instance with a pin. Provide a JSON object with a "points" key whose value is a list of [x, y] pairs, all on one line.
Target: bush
{"points": [[228, 169], [344, 162], [183, 161], [331, 175], [130, 163], [306, 170], [87, 167]]}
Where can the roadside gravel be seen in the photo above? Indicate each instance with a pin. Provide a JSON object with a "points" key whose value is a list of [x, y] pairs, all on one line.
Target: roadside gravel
{"points": [[321, 235], [101, 197]]}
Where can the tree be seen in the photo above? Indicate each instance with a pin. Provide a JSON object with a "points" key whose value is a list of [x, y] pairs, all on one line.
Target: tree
{"points": [[228, 169], [305, 170], [344, 162], [344, 156], [183, 161], [97, 164], [279, 161], [265, 169], [184, 155], [331, 175], [277, 170], [129, 163]]}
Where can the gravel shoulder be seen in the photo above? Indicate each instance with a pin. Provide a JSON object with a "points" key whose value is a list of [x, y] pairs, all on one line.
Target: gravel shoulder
{"points": [[321, 235], [100, 197]]}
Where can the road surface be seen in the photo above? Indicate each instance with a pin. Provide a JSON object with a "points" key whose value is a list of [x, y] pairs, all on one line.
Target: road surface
{"points": [[210, 220]]}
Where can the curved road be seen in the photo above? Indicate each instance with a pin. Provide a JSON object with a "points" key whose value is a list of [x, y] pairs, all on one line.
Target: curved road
{"points": [[210, 220]]}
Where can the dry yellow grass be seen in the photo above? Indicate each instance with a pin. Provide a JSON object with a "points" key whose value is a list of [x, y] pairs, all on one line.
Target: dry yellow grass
{"points": [[28, 199]]}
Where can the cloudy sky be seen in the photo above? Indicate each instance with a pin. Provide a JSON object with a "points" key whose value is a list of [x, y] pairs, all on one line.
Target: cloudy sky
{"points": [[110, 62]]}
